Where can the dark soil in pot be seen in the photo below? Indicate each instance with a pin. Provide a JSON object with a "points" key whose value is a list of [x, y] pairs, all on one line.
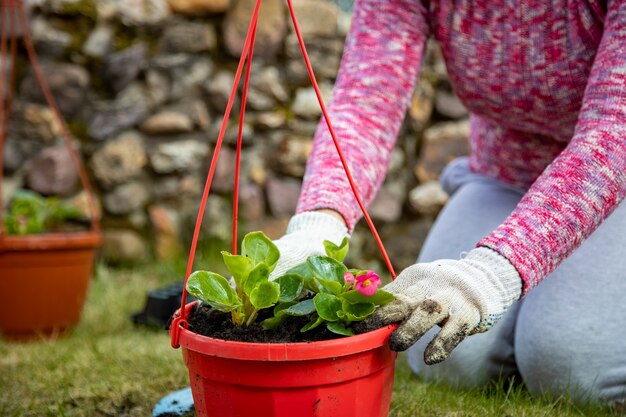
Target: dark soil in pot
{"points": [[205, 321]]}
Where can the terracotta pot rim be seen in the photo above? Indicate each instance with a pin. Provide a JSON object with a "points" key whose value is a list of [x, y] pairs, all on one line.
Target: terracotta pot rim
{"points": [[283, 351], [51, 241]]}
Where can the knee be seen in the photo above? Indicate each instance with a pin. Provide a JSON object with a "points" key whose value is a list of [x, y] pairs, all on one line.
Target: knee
{"points": [[560, 362]]}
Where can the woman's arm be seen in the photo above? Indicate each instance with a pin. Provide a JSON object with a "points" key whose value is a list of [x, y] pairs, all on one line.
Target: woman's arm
{"points": [[378, 71], [583, 185]]}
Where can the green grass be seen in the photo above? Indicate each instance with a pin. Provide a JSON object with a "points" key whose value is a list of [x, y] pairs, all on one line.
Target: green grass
{"points": [[108, 367]]}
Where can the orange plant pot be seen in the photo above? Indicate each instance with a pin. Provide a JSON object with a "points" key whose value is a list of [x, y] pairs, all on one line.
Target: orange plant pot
{"points": [[342, 377], [51, 272]]}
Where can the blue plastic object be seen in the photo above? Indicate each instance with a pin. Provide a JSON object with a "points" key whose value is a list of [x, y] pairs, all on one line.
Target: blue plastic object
{"points": [[176, 403]]}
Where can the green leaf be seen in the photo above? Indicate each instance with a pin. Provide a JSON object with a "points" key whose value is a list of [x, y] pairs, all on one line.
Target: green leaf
{"points": [[257, 276], [312, 324], [357, 272], [332, 287], [379, 298], [305, 271], [239, 266], [260, 248], [290, 286], [265, 295], [327, 306], [339, 329], [356, 312], [303, 308], [279, 315], [213, 289], [327, 268], [338, 253]]}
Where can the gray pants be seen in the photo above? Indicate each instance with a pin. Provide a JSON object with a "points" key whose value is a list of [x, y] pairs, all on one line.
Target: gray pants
{"points": [[568, 335]]}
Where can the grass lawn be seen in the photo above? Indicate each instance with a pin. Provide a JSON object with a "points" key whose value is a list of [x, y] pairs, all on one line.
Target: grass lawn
{"points": [[108, 367]]}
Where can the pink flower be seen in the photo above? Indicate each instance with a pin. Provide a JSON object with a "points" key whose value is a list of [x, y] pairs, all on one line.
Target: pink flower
{"points": [[348, 278], [368, 283]]}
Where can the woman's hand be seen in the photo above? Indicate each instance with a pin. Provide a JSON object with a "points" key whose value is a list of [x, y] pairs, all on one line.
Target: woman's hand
{"points": [[464, 297], [305, 237]]}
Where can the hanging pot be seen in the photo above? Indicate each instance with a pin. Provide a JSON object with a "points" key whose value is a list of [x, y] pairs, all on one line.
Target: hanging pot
{"points": [[43, 282], [350, 376]]}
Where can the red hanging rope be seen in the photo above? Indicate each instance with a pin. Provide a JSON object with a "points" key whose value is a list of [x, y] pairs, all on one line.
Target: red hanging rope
{"points": [[244, 96], [16, 7], [181, 320]]}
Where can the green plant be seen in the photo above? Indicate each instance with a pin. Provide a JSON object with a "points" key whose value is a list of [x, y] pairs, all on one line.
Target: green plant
{"points": [[30, 213], [322, 288]]}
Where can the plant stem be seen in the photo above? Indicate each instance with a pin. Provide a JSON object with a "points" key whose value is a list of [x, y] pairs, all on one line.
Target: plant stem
{"points": [[252, 317]]}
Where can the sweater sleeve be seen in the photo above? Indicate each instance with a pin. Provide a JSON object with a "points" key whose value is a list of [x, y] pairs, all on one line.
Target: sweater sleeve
{"points": [[373, 89], [587, 181]]}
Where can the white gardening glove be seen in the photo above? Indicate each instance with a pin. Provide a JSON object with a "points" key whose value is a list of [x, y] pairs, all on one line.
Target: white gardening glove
{"points": [[464, 297], [305, 237]]}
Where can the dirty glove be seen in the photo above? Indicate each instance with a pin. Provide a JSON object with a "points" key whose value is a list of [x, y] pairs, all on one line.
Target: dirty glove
{"points": [[464, 297], [305, 237]]}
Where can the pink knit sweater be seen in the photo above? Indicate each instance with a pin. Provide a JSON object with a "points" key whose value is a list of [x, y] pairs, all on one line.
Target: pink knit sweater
{"points": [[545, 83]]}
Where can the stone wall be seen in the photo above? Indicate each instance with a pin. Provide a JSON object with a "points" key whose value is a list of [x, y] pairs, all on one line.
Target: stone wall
{"points": [[143, 85]]}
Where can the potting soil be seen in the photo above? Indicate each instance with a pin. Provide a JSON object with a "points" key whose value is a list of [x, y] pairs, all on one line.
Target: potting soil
{"points": [[205, 321]]}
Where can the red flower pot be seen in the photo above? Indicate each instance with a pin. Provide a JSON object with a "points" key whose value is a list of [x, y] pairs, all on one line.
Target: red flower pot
{"points": [[43, 281], [342, 377]]}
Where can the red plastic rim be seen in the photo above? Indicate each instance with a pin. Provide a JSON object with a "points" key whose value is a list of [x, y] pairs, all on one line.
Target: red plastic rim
{"points": [[51, 241], [282, 351]]}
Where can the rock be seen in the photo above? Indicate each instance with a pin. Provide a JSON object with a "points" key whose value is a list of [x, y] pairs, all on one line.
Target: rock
{"points": [[218, 218], [123, 247], [179, 191], [99, 42], [143, 12], [282, 196], [126, 198], [387, 206], [188, 37], [167, 122], [317, 18], [34, 122], [428, 198], [46, 38], [306, 104], [167, 245], [68, 84], [83, 203], [186, 73], [449, 105], [183, 156], [199, 7], [421, 106], [273, 228], [291, 156], [251, 202], [270, 32], [13, 157], [223, 181], [157, 88], [255, 167], [397, 162], [442, 143], [52, 172], [218, 89], [256, 100], [325, 56], [270, 120], [120, 160], [270, 81], [130, 107], [122, 68]]}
